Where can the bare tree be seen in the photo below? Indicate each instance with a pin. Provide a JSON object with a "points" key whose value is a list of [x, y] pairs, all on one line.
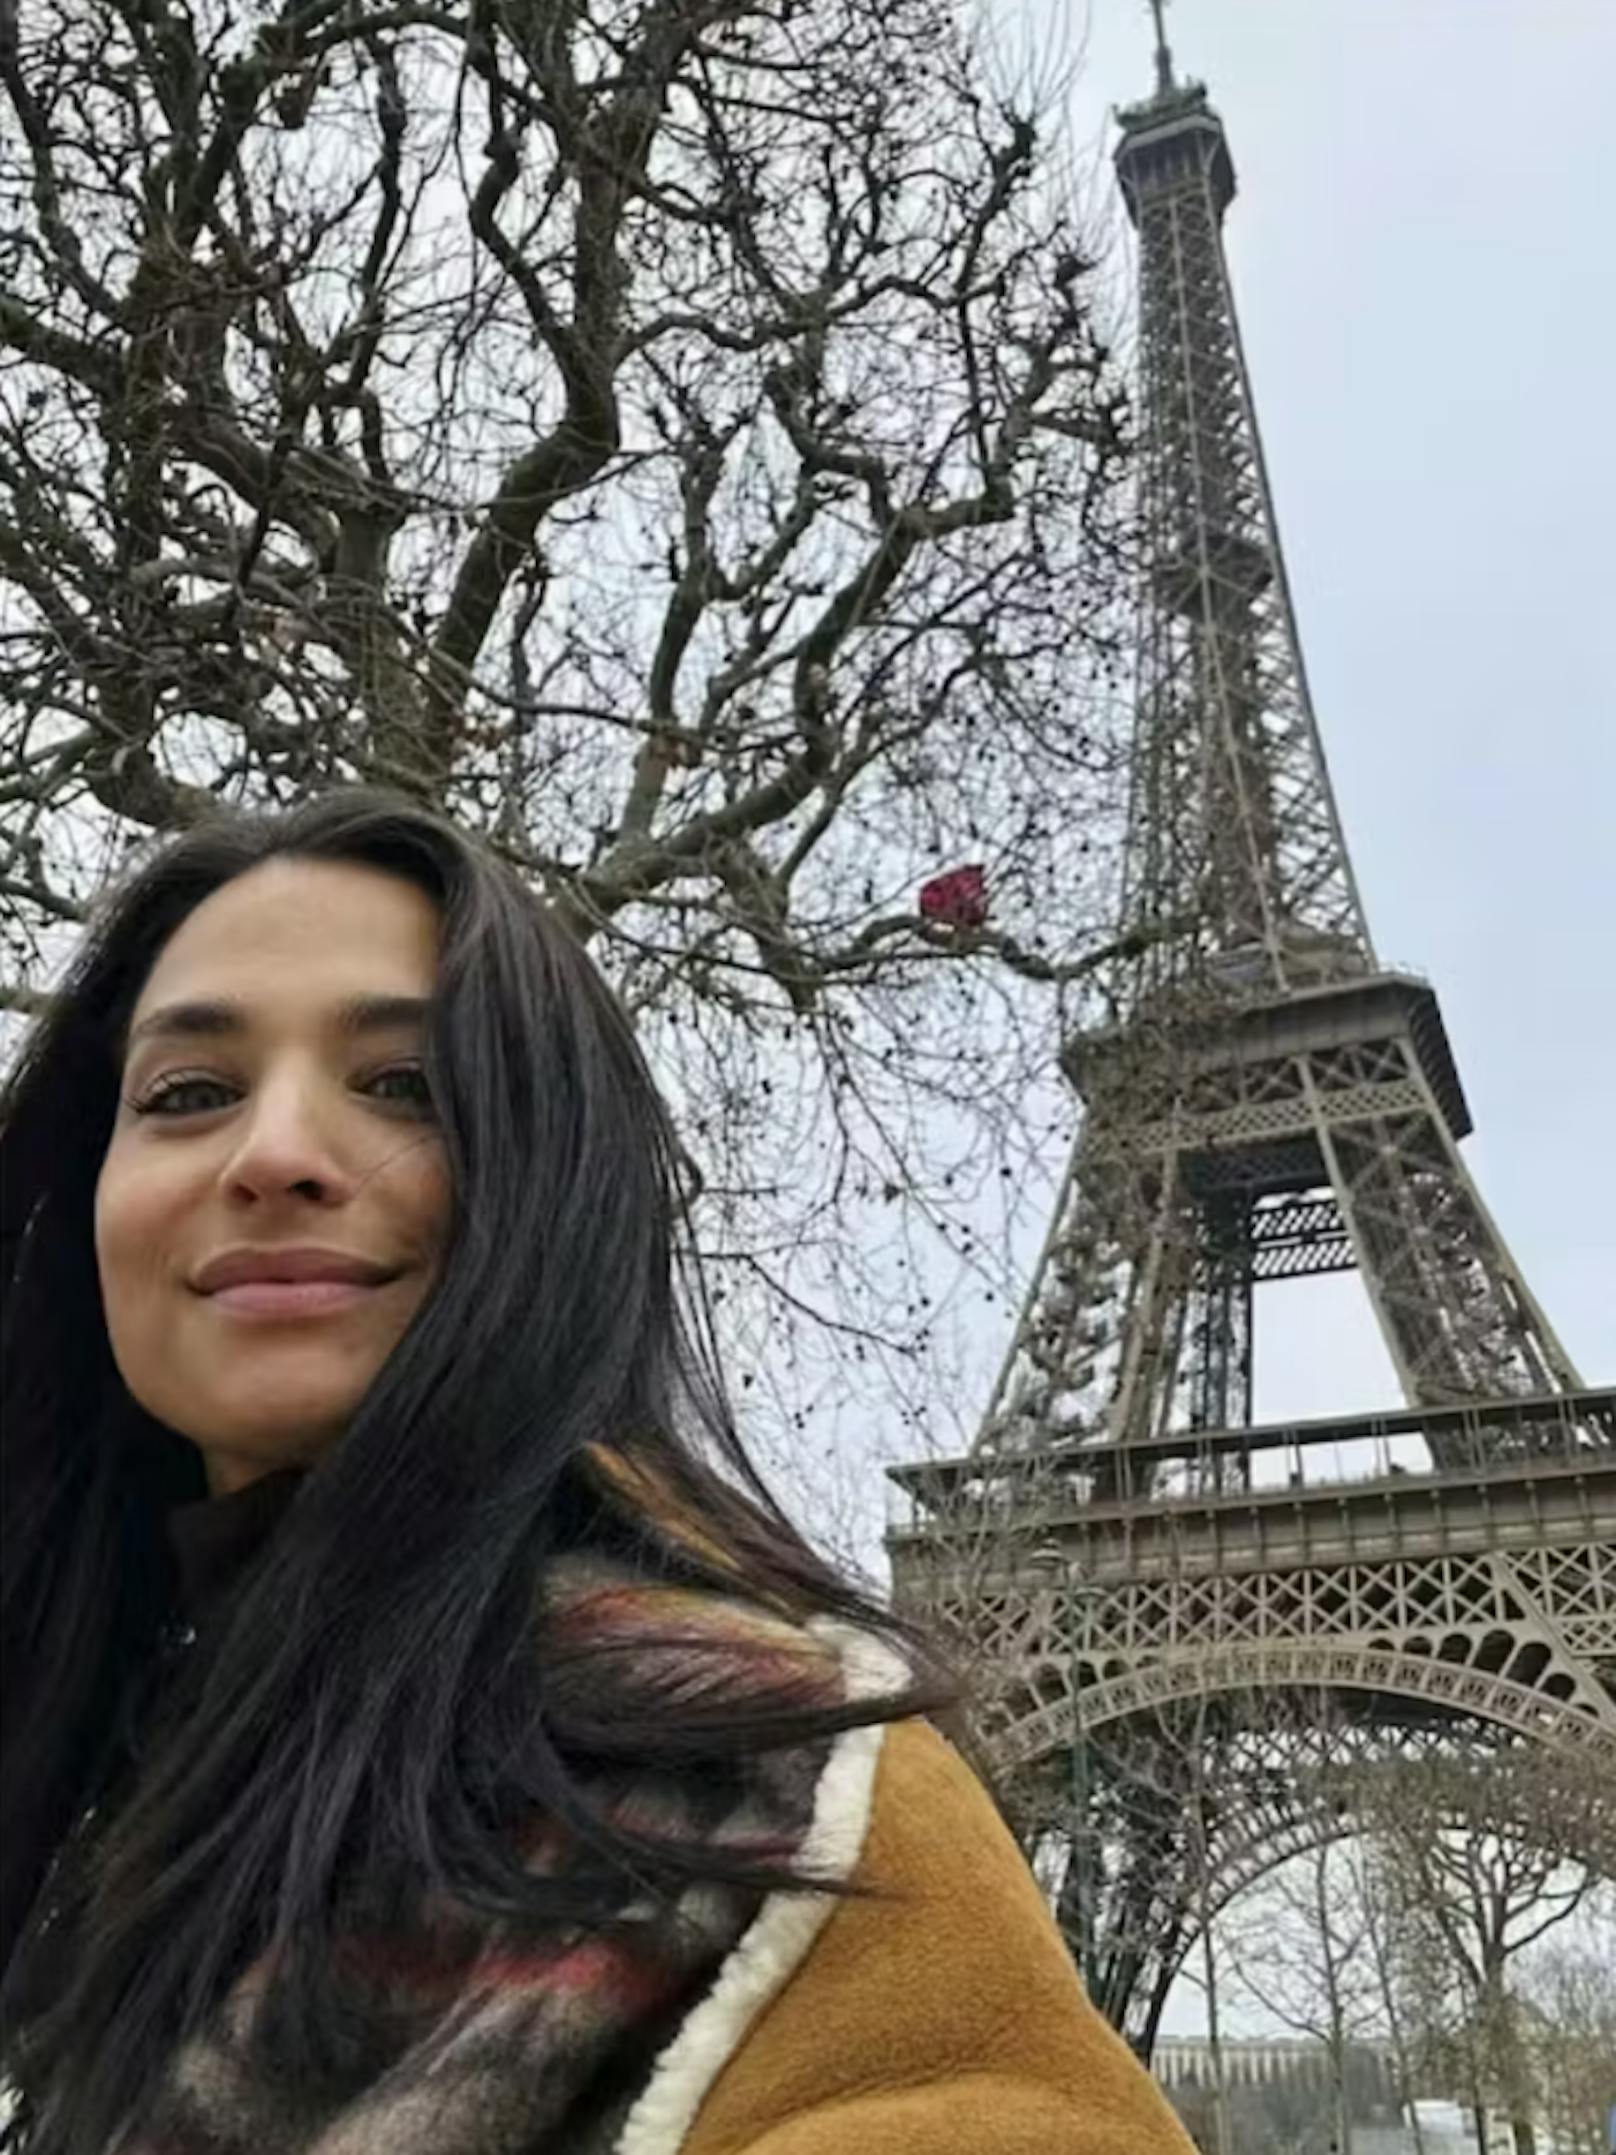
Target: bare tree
{"points": [[676, 436], [1485, 1860], [1201, 1808], [1302, 1951], [1568, 1992], [1382, 1920]]}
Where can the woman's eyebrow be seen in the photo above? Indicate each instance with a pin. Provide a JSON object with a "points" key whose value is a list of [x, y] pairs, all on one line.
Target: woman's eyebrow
{"points": [[213, 1018]]}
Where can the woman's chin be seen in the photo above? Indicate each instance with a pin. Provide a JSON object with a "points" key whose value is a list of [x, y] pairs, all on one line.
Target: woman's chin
{"points": [[253, 1444]]}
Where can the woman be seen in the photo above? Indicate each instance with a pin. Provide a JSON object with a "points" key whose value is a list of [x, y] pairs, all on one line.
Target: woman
{"points": [[423, 1733]]}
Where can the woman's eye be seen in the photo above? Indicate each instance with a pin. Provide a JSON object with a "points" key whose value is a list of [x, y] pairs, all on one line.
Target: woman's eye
{"points": [[170, 1097], [411, 1077], [402, 1084]]}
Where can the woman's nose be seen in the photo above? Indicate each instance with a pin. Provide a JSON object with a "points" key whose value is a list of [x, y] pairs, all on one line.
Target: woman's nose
{"points": [[287, 1141]]}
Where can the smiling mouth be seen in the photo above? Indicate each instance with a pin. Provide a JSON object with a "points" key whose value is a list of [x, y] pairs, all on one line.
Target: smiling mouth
{"points": [[294, 1298]]}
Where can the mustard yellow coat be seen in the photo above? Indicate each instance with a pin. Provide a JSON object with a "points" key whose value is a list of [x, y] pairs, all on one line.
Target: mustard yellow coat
{"points": [[946, 2015]]}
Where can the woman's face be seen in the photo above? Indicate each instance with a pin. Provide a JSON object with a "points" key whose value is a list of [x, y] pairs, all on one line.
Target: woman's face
{"points": [[273, 1202]]}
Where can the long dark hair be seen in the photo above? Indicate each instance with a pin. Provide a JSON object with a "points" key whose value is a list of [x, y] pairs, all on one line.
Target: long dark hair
{"points": [[379, 1659]]}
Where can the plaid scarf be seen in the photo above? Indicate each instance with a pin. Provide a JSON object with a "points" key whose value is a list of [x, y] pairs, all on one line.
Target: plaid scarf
{"points": [[475, 2040], [518, 2045]]}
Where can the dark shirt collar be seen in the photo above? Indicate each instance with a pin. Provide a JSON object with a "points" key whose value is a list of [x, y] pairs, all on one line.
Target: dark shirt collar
{"points": [[215, 1539]]}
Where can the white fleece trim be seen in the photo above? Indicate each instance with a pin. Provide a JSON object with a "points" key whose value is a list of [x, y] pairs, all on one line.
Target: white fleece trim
{"points": [[779, 1937]]}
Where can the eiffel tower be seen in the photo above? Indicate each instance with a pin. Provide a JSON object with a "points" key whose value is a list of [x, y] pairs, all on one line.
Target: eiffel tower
{"points": [[1175, 1613]]}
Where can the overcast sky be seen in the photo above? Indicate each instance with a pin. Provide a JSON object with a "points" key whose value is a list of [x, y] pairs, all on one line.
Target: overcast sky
{"points": [[1423, 260], [1424, 265]]}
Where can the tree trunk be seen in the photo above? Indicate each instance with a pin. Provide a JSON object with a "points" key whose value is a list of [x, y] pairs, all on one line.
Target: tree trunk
{"points": [[1483, 2136], [1214, 2042]]}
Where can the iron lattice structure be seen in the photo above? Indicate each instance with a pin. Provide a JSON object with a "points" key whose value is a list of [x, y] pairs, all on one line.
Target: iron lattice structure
{"points": [[1165, 1602]]}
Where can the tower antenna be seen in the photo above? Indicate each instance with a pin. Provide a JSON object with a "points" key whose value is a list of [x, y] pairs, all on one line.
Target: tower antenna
{"points": [[1164, 57]]}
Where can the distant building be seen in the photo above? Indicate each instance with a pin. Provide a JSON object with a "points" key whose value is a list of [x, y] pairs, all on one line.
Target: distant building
{"points": [[1281, 2097]]}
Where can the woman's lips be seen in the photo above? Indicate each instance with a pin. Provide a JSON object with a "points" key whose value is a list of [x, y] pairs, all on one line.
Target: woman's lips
{"points": [[293, 1298]]}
